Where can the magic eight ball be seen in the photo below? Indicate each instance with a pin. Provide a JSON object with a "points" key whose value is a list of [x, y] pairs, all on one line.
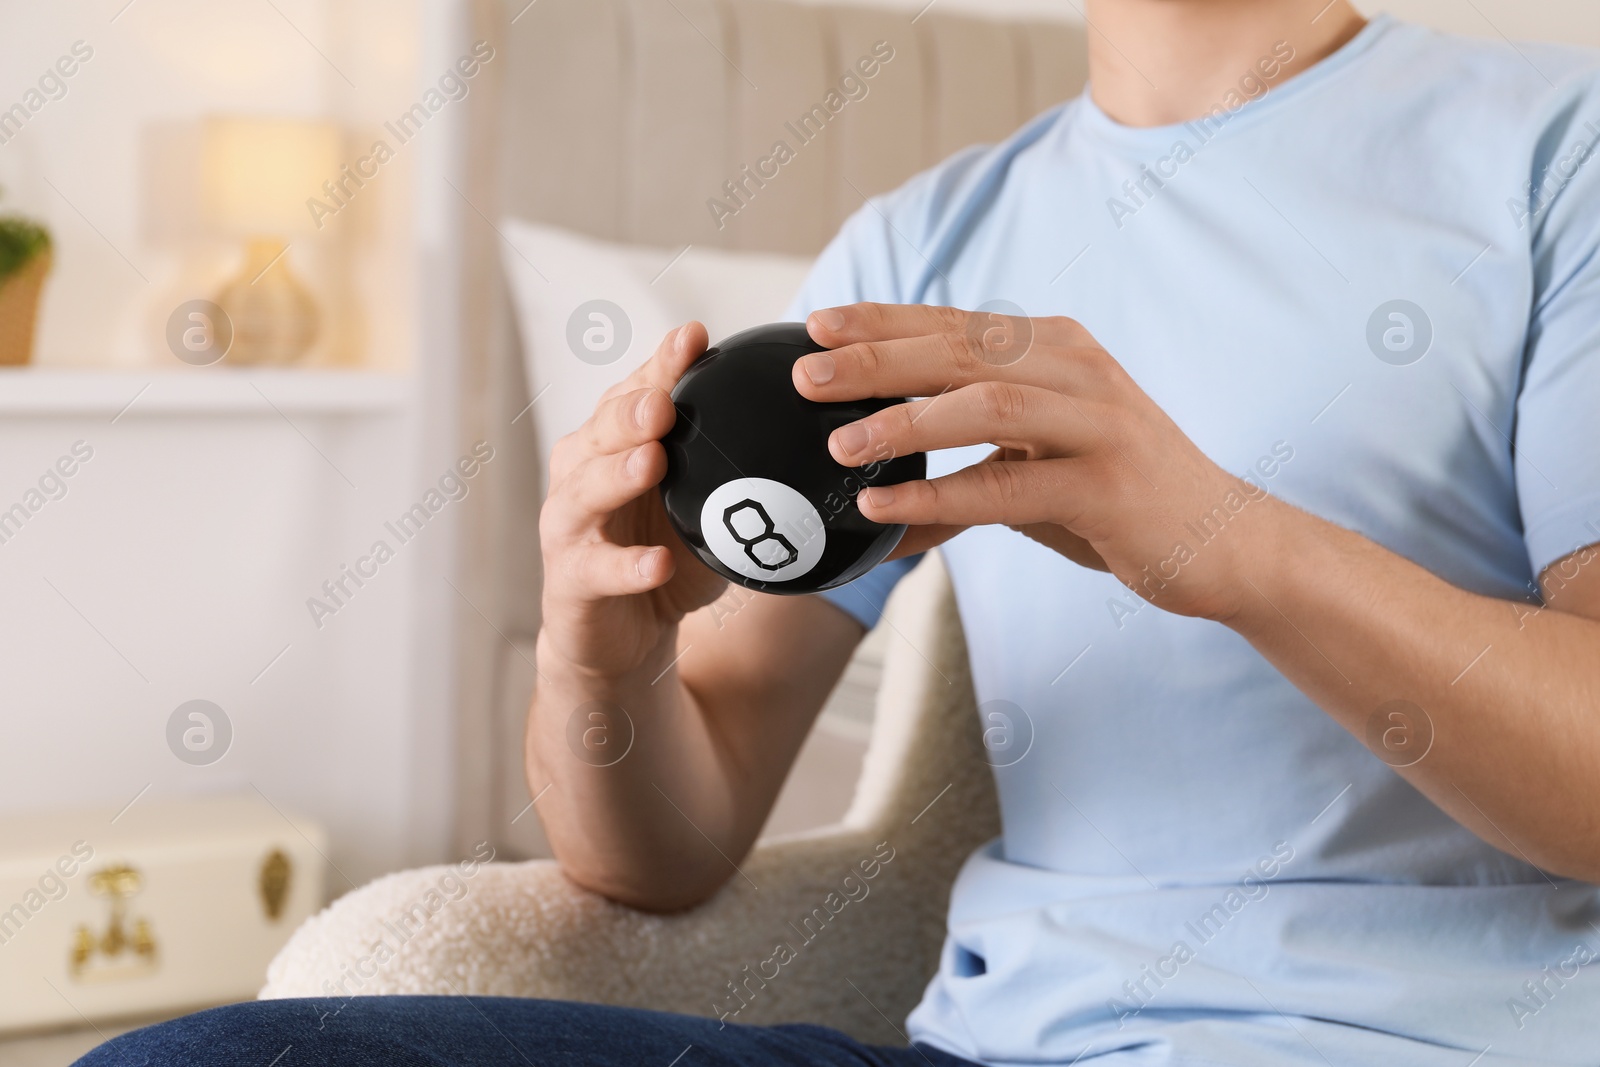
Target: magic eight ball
{"points": [[750, 486]]}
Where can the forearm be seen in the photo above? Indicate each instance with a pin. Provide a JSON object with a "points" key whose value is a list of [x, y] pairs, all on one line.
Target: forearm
{"points": [[718, 712], [629, 782], [1512, 692]]}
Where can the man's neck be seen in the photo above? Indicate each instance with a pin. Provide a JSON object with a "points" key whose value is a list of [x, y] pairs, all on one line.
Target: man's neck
{"points": [[1159, 62]]}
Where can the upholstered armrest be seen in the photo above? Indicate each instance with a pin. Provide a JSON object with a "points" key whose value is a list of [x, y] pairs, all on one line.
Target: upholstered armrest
{"points": [[525, 930], [841, 926]]}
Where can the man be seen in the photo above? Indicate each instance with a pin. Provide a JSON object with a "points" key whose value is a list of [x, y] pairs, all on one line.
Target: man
{"points": [[1267, 479]]}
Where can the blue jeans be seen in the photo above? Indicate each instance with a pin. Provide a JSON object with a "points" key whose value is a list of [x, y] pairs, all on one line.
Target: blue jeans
{"points": [[483, 1032]]}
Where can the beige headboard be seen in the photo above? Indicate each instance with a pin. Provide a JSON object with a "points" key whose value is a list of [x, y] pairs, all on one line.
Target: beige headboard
{"points": [[621, 119], [651, 105]]}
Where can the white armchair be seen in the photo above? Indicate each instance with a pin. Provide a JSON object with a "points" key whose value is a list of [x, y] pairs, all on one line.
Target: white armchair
{"points": [[859, 952]]}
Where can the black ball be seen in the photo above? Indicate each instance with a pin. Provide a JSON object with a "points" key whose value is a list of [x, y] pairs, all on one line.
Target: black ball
{"points": [[750, 486]]}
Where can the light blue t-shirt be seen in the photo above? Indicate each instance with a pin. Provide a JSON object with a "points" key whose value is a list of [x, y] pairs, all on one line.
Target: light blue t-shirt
{"points": [[1199, 866]]}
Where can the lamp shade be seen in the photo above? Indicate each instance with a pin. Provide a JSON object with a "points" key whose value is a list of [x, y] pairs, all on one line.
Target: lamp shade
{"points": [[259, 172]]}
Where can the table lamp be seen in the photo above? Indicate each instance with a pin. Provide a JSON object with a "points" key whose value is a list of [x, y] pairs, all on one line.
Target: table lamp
{"points": [[257, 176]]}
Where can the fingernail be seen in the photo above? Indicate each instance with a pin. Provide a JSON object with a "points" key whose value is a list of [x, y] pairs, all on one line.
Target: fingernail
{"points": [[853, 439], [646, 561], [830, 319], [879, 496], [818, 368], [636, 462], [639, 408]]}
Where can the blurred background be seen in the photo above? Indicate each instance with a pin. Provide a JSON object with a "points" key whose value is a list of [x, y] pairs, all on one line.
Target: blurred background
{"points": [[285, 281]]}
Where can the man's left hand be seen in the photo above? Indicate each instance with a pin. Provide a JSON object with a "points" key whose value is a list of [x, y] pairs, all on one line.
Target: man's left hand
{"points": [[1085, 461]]}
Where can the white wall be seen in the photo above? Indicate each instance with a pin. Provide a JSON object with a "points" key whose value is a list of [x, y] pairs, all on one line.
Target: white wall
{"points": [[188, 546], [176, 568]]}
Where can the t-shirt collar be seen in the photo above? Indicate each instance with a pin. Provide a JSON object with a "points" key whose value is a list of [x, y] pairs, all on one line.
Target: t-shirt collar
{"points": [[1091, 117]]}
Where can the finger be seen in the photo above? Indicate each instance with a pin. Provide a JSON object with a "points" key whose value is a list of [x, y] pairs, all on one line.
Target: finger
{"points": [[1007, 493], [852, 323], [1055, 537], [618, 424], [924, 539], [676, 352], [673, 356], [628, 420], [595, 489], [1036, 423], [929, 365], [601, 570]]}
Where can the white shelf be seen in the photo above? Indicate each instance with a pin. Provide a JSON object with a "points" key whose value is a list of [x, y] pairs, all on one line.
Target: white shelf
{"points": [[203, 391]]}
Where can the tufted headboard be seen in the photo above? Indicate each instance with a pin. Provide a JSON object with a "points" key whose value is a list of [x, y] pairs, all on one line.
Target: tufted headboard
{"points": [[621, 119]]}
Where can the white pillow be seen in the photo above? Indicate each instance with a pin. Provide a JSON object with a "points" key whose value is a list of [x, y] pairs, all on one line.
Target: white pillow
{"points": [[572, 357]]}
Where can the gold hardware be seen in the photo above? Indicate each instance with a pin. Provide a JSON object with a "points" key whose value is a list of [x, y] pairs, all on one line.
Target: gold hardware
{"points": [[274, 883], [144, 942], [82, 948], [117, 883]]}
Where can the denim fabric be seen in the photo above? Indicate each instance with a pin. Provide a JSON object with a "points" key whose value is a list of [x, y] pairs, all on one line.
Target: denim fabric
{"points": [[482, 1032]]}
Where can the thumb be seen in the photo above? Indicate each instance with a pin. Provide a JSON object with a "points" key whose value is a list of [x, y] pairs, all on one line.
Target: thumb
{"points": [[922, 538]]}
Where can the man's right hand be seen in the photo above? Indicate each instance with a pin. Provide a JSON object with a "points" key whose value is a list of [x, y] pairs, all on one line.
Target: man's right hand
{"points": [[617, 579], [715, 704]]}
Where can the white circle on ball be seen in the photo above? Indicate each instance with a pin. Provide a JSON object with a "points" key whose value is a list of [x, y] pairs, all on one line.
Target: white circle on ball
{"points": [[763, 529]]}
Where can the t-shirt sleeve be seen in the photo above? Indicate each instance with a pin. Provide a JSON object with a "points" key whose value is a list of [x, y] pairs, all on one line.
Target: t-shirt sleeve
{"points": [[856, 266], [1557, 447]]}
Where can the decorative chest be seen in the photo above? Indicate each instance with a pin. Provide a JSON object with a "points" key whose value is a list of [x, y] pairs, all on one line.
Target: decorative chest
{"points": [[165, 905]]}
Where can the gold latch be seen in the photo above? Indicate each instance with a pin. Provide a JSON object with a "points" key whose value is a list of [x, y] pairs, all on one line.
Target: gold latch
{"points": [[274, 883], [101, 957]]}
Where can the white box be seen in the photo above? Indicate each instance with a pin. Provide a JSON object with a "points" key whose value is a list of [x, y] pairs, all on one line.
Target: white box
{"points": [[167, 905]]}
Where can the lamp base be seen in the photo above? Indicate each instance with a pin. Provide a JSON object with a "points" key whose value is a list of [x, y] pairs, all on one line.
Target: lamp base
{"points": [[274, 317]]}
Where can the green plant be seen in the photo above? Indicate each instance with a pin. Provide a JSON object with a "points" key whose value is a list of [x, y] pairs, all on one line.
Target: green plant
{"points": [[20, 241]]}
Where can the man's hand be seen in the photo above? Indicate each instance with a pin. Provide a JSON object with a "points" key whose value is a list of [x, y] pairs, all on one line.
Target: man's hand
{"points": [[711, 707], [617, 580], [1086, 462]]}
